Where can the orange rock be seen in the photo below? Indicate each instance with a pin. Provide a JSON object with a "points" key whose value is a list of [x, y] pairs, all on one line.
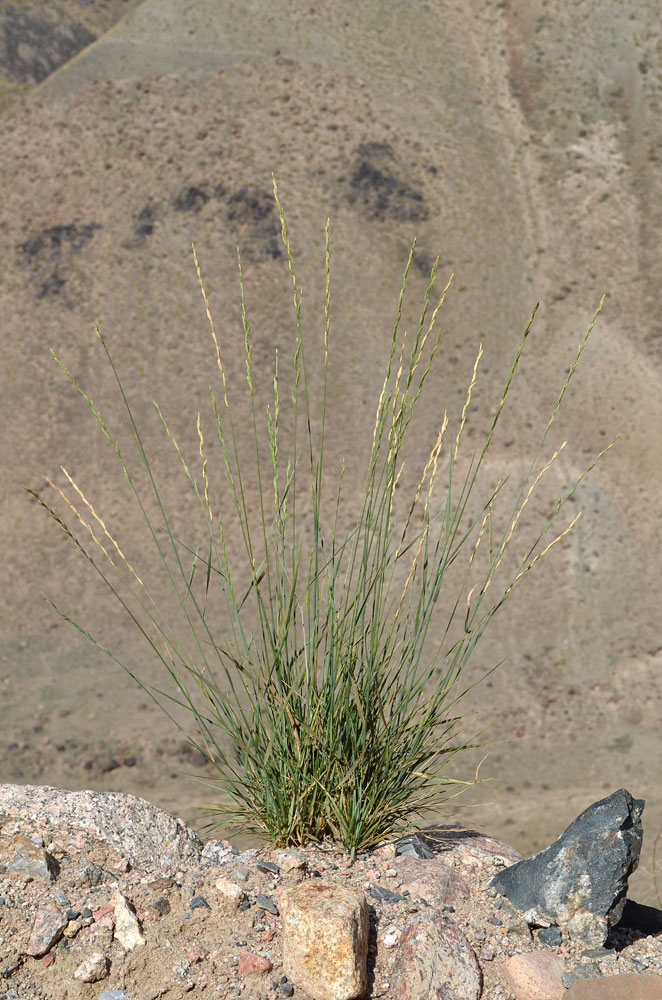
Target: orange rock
{"points": [[325, 939]]}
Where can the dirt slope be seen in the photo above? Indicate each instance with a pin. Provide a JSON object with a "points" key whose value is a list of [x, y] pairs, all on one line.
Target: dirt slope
{"points": [[524, 149]]}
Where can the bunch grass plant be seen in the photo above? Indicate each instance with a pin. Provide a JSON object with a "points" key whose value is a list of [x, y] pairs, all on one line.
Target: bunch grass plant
{"points": [[335, 716]]}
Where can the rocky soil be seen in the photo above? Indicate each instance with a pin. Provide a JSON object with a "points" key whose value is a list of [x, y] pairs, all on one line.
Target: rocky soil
{"points": [[103, 893]]}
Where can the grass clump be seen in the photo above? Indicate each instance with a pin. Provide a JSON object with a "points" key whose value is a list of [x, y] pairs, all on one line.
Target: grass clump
{"points": [[321, 697]]}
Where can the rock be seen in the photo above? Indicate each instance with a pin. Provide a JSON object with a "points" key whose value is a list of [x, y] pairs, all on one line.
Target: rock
{"points": [[439, 840], [32, 860], [626, 986], [580, 881], [434, 960], [534, 975], [230, 891], [93, 969], [267, 903], [147, 836], [127, 928], [113, 995], [199, 903], [217, 852], [250, 963], [588, 971], [47, 927], [431, 880], [550, 936], [292, 861], [268, 868], [88, 874], [325, 939]]}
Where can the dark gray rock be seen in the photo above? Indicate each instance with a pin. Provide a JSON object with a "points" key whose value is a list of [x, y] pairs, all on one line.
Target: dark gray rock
{"points": [[580, 882], [550, 936], [266, 903], [32, 861]]}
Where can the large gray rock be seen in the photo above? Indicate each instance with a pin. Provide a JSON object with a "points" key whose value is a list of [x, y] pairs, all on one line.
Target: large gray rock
{"points": [[580, 881], [147, 836]]}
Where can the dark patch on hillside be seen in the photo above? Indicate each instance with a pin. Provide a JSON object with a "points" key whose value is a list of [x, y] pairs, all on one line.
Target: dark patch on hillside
{"points": [[191, 199], [251, 213], [32, 47], [145, 224], [423, 261], [254, 215], [57, 241], [49, 251], [377, 186]]}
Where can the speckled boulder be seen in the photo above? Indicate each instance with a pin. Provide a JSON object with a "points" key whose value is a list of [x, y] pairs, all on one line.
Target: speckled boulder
{"points": [[325, 945], [136, 830], [580, 881]]}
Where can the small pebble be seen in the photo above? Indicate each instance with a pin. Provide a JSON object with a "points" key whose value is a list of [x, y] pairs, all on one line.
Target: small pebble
{"points": [[269, 867], [239, 875], [550, 936], [266, 903], [199, 901]]}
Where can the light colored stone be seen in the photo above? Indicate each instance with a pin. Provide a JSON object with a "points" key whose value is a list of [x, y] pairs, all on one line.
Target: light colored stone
{"points": [[325, 939], [93, 968], [434, 961], [147, 836], [47, 927], [291, 861], [627, 986], [230, 891], [127, 928], [534, 975]]}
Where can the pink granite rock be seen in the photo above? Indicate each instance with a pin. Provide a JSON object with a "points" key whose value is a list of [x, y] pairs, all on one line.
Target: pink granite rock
{"points": [[147, 836], [431, 880], [434, 961], [250, 963], [47, 927], [93, 969]]}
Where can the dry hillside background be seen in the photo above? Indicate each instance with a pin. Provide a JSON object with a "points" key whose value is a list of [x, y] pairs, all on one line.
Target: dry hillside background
{"points": [[522, 142]]}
